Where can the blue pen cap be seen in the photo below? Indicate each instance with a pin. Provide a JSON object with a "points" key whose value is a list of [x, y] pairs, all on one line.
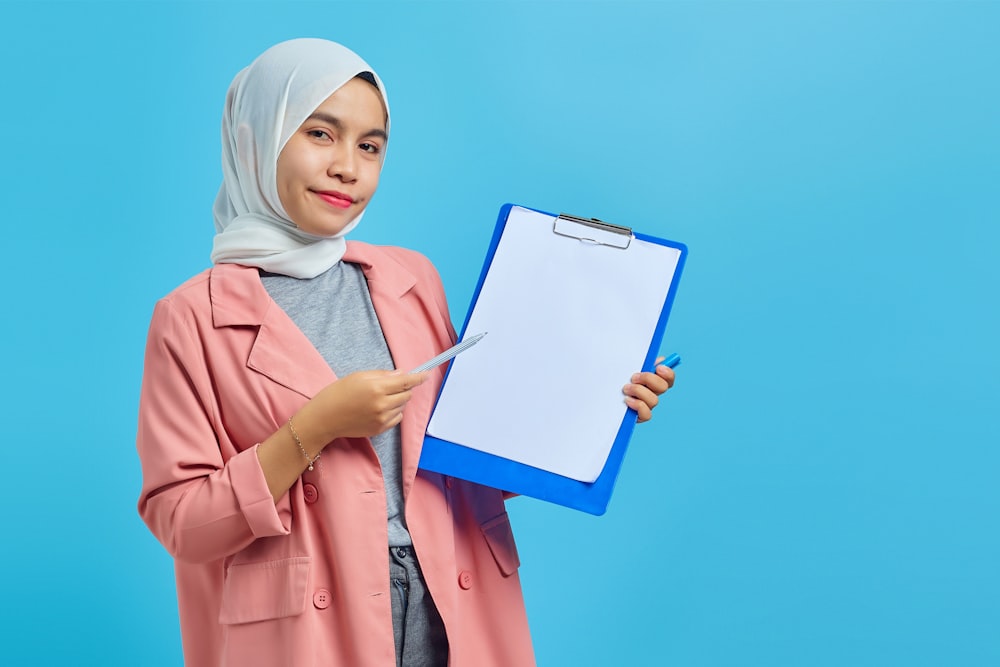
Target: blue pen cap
{"points": [[671, 361]]}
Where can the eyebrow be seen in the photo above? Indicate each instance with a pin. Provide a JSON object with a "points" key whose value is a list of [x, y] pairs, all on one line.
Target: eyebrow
{"points": [[336, 123]]}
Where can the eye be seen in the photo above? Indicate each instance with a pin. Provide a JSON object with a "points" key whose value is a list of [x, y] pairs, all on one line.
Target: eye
{"points": [[369, 148], [322, 135]]}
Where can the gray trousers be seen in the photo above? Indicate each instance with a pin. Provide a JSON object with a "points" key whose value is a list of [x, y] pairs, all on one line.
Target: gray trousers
{"points": [[416, 624]]}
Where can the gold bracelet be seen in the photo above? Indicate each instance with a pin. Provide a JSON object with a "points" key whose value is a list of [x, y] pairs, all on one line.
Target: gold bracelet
{"points": [[302, 449]]}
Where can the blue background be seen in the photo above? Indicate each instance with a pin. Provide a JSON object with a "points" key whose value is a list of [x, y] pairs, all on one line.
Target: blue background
{"points": [[821, 488]]}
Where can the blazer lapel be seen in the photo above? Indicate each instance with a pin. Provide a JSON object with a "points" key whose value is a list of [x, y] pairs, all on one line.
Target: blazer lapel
{"points": [[407, 335], [280, 351], [388, 284]]}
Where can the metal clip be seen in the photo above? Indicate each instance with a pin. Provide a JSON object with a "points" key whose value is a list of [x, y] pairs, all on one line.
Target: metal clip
{"points": [[596, 231]]}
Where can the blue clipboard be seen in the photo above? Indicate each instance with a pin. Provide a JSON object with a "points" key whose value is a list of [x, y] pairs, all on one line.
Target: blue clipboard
{"points": [[466, 462]]}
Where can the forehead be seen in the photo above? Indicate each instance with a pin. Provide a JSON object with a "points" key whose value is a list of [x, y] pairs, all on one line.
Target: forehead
{"points": [[356, 102]]}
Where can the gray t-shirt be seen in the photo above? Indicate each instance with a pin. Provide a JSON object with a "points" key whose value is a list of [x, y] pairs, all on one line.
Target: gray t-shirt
{"points": [[335, 312]]}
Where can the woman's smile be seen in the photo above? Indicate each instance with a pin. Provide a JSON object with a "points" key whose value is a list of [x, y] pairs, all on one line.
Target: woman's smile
{"points": [[338, 199]]}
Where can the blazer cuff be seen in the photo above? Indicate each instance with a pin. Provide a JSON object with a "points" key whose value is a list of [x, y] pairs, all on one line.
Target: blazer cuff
{"points": [[254, 498]]}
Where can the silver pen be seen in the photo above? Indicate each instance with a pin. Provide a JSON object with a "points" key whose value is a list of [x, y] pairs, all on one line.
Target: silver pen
{"points": [[449, 354]]}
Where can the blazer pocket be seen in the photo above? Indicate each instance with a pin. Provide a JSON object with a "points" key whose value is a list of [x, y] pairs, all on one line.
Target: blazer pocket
{"points": [[263, 591], [500, 539]]}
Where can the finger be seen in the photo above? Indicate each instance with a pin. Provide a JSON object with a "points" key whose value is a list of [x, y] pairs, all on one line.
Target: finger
{"points": [[395, 418], [642, 410], [404, 382], [655, 382], [389, 419], [641, 393], [667, 374], [394, 402]]}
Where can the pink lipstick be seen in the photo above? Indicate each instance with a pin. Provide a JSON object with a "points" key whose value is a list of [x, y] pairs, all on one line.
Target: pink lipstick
{"points": [[337, 199]]}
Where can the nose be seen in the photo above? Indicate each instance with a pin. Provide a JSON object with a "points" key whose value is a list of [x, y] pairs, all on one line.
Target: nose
{"points": [[343, 163]]}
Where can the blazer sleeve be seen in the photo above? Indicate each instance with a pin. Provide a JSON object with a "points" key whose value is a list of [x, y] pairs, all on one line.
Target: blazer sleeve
{"points": [[201, 503]]}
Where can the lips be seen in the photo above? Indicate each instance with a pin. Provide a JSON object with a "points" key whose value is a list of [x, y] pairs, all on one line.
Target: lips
{"points": [[338, 199]]}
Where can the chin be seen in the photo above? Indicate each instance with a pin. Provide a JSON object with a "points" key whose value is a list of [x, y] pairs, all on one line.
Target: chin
{"points": [[328, 227], [327, 231]]}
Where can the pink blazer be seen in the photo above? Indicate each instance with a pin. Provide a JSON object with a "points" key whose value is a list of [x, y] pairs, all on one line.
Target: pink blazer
{"points": [[304, 582]]}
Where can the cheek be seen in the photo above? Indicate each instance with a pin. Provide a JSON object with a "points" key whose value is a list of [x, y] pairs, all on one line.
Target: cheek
{"points": [[282, 173], [373, 177], [292, 176], [284, 193], [291, 189], [296, 163]]}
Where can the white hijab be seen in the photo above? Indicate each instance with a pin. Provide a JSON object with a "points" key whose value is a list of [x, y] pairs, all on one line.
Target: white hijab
{"points": [[265, 105]]}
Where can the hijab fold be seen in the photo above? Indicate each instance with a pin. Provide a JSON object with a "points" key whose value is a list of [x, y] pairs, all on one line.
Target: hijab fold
{"points": [[265, 105]]}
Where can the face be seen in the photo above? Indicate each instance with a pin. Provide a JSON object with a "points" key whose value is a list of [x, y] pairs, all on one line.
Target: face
{"points": [[329, 169]]}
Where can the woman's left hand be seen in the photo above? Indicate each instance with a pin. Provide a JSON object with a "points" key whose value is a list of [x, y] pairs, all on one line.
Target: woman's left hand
{"points": [[643, 392]]}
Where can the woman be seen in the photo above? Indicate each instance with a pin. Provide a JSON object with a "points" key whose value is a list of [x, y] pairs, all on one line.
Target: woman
{"points": [[278, 469]]}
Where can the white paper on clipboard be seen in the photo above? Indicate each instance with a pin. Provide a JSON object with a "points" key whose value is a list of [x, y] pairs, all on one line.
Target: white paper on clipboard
{"points": [[569, 322]]}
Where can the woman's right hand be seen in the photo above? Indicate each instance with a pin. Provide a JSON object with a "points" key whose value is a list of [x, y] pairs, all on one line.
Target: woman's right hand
{"points": [[358, 405], [361, 404]]}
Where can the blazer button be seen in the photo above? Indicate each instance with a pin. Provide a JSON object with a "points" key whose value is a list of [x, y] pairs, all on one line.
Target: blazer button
{"points": [[465, 579], [310, 493], [322, 598]]}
